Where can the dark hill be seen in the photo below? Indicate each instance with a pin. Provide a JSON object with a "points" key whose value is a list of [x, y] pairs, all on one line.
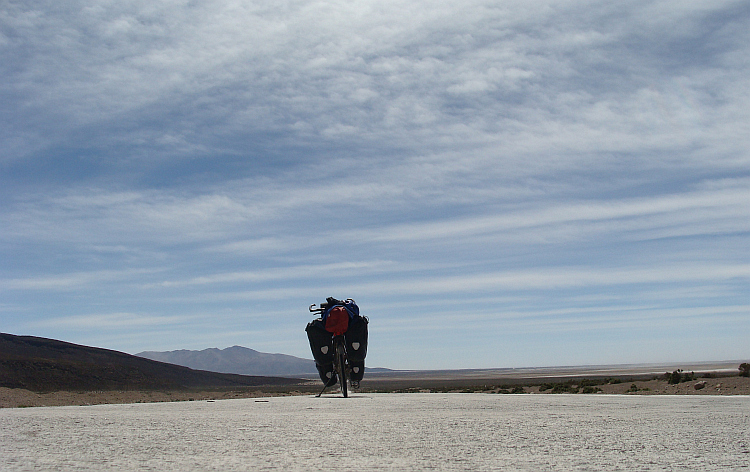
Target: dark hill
{"points": [[43, 365]]}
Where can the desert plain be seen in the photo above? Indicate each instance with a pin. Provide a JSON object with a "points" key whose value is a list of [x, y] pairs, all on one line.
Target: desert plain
{"points": [[707, 379], [376, 431]]}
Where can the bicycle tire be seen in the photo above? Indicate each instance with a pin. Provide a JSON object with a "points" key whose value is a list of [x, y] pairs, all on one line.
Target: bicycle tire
{"points": [[341, 367]]}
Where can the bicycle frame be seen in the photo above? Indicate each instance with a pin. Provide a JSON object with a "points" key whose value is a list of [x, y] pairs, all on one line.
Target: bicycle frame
{"points": [[341, 363]]}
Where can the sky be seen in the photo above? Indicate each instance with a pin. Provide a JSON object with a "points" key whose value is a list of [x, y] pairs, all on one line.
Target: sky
{"points": [[497, 183]]}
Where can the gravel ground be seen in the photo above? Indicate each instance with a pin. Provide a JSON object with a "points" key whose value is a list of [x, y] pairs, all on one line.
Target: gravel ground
{"points": [[21, 398], [386, 432]]}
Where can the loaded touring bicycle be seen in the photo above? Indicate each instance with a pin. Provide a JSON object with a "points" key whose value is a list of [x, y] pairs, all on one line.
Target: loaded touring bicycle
{"points": [[338, 341]]}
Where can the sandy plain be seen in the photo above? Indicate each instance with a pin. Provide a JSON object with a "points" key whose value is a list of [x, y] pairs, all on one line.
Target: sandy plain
{"points": [[20, 398], [434, 431]]}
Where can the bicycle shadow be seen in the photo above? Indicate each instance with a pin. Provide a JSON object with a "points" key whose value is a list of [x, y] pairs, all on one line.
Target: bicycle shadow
{"points": [[339, 395]]}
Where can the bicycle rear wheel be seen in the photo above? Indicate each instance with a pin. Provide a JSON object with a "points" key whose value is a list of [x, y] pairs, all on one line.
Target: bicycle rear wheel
{"points": [[341, 367]]}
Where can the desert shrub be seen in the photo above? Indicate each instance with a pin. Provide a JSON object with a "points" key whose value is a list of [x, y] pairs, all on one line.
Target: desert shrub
{"points": [[744, 369], [564, 388], [590, 389], [675, 377], [633, 388], [591, 382], [518, 389], [678, 376]]}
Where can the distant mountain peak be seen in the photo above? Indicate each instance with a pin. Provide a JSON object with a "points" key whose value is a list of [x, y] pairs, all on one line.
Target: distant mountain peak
{"points": [[236, 360], [240, 348]]}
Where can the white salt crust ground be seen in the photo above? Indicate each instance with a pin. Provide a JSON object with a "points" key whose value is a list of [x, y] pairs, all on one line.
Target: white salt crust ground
{"points": [[385, 432]]}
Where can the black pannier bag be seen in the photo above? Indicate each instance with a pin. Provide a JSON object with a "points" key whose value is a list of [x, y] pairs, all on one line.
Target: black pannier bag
{"points": [[321, 345], [356, 346]]}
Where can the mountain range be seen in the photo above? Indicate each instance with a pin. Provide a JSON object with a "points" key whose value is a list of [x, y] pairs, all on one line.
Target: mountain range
{"points": [[236, 360], [41, 364]]}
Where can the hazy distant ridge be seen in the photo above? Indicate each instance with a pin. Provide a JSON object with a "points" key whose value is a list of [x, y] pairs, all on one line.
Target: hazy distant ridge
{"points": [[236, 360]]}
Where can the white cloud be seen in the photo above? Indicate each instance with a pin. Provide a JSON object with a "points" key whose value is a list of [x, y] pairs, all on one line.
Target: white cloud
{"points": [[554, 278], [302, 63], [341, 269], [73, 280], [108, 321]]}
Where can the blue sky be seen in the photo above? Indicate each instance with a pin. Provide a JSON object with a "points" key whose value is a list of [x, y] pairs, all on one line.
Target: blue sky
{"points": [[496, 183]]}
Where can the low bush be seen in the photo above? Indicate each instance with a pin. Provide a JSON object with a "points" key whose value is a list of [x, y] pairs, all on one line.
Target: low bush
{"points": [[564, 388], [590, 382], [582, 386], [678, 376]]}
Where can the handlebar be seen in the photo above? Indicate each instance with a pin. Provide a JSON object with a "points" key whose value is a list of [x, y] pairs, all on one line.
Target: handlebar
{"points": [[324, 306]]}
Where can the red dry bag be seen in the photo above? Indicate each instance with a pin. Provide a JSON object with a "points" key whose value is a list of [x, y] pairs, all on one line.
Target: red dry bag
{"points": [[337, 321]]}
